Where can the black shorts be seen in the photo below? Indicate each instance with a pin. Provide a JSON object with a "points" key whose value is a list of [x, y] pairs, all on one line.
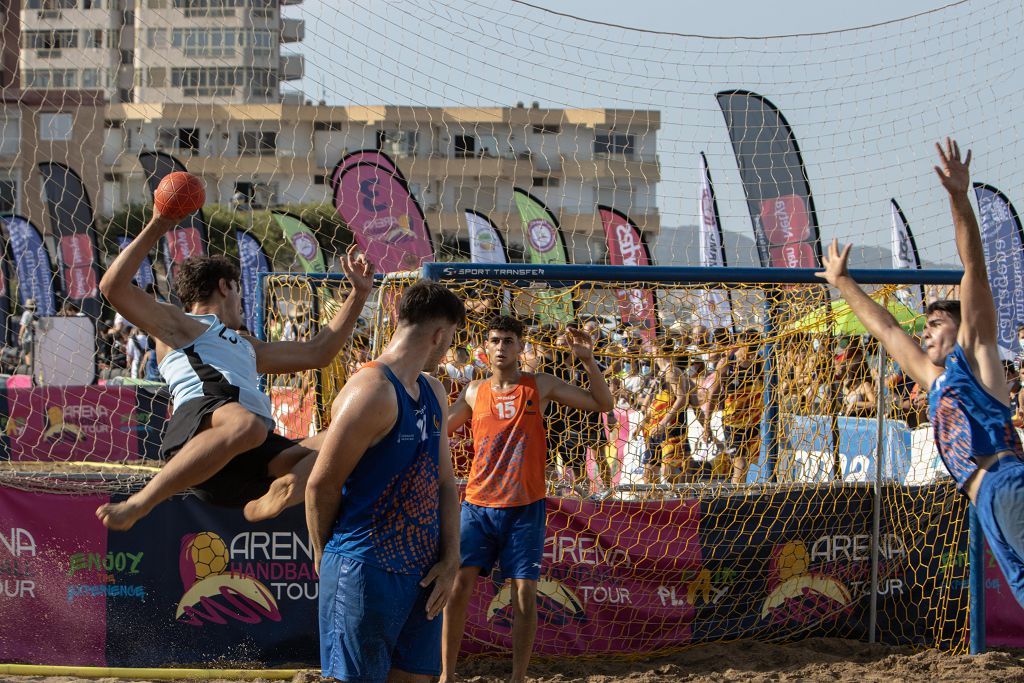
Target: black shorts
{"points": [[245, 477]]}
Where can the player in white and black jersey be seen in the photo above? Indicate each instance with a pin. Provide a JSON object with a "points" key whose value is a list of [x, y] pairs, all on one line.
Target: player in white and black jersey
{"points": [[220, 439]]}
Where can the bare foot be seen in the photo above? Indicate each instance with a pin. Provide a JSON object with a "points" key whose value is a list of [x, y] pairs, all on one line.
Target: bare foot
{"points": [[274, 501], [120, 516]]}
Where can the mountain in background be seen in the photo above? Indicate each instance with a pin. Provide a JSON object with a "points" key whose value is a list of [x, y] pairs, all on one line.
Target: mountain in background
{"points": [[680, 246]]}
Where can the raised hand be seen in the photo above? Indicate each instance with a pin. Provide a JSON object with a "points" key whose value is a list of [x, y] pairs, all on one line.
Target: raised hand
{"points": [[358, 270], [954, 173], [835, 263], [579, 343]]}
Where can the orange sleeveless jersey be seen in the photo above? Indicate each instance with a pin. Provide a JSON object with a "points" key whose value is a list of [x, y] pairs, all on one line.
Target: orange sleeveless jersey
{"points": [[509, 447]]}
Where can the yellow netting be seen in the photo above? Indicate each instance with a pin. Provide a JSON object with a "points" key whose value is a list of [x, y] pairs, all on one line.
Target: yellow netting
{"points": [[785, 546]]}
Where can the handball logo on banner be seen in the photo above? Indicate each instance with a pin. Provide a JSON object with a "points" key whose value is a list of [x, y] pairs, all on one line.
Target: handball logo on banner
{"points": [[557, 604], [212, 593], [486, 240], [305, 245], [800, 595], [541, 234]]}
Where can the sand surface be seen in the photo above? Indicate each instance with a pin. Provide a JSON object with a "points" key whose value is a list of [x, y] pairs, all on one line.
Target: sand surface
{"points": [[818, 659]]}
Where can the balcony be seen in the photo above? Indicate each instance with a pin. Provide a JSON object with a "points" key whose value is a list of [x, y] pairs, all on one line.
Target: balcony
{"points": [[440, 167], [611, 168], [230, 167], [285, 3], [292, 30], [291, 67]]}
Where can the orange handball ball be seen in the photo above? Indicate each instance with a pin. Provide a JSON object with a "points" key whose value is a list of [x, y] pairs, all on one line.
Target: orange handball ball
{"points": [[179, 194]]}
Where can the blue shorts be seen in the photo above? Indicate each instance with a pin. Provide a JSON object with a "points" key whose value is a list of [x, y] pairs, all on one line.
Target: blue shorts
{"points": [[372, 621], [1000, 507], [512, 537]]}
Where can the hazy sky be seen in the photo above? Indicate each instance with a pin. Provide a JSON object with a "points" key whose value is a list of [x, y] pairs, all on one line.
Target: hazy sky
{"points": [[865, 104]]}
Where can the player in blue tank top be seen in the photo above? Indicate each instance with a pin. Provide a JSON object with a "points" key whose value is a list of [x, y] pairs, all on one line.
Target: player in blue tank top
{"points": [[382, 506], [968, 397], [220, 439]]}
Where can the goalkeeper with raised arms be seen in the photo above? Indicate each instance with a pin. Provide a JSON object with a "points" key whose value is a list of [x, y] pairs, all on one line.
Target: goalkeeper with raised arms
{"points": [[968, 397]]}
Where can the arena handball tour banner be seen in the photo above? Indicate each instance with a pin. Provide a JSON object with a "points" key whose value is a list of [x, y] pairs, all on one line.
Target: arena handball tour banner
{"points": [[374, 200], [253, 260], [32, 264], [70, 209], [546, 244], [303, 241], [905, 257], [715, 306], [189, 237], [774, 180], [144, 275], [626, 247], [620, 577], [1003, 241]]}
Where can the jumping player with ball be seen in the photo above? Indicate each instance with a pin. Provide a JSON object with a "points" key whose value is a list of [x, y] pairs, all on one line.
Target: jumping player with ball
{"points": [[220, 439]]}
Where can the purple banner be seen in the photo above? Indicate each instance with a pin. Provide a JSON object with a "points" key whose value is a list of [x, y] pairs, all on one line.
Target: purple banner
{"points": [[52, 554], [386, 220], [5, 294], [1003, 242], [144, 275], [253, 260], [370, 156], [32, 262]]}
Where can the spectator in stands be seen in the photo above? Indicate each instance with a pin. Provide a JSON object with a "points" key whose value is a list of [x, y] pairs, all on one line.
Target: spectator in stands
{"points": [[668, 457], [743, 385], [1018, 360], [709, 386], [27, 331], [859, 394]]}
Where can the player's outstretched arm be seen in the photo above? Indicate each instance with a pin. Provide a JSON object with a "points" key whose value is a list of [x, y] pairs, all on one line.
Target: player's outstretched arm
{"points": [[880, 323], [366, 410], [597, 398], [461, 411], [442, 574], [318, 352], [164, 321], [977, 310]]}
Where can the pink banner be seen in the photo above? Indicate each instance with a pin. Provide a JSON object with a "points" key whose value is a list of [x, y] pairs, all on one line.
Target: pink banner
{"points": [[787, 227], [53, 578], [73, 423], [1004, 617], [388, 225], [369, 156], [77, 257], [183, 243], [601, 561], [626, 248]]}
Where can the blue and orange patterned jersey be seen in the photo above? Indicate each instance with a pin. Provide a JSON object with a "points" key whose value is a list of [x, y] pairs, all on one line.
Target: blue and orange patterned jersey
{"points": [[509, 446], [390, 506], [969, 422]]}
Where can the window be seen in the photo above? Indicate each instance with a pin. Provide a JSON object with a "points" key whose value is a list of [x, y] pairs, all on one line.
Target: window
{"points": [[157, 77], [257, 143], [261, 42], [10, 133], [546, 129], [264, 8], [92, 4], [546, 181], [327, 125], [263, 83], [205, 42], [8, 194], [614, 144], [92, 38], [207, 8], [319, 180], [50, 78], [157, 4], [90, 78], [49, 40], [156, 38], [55, 127], [51, 4], [399, 143], [465, 146], [188, 139]]}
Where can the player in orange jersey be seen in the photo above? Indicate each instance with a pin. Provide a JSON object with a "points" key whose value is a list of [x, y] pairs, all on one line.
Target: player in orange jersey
{"points": [[503, 516]]}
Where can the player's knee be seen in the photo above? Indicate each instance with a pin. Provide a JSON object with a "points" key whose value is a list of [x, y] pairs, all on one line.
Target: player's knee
{"points": [[524, 596]]}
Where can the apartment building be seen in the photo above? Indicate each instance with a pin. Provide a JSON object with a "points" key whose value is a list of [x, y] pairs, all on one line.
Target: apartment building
{"points": [[225, 51], [454, 158]]}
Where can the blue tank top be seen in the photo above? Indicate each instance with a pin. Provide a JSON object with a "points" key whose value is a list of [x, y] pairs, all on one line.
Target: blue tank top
{"points": [[969, 422], [217, 363], [390, 512]]}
